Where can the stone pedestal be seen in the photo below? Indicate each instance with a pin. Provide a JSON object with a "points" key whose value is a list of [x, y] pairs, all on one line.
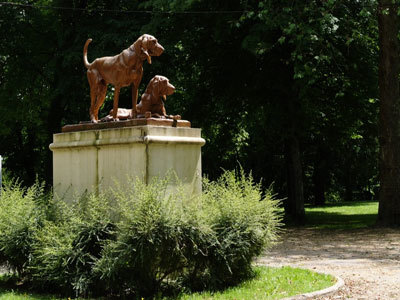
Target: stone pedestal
{"points": [[93, 159]]}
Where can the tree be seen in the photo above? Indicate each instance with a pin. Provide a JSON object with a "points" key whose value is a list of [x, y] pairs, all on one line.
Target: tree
{"points": [[326, 50], [287, 89], [43, 81], [389, 117]]}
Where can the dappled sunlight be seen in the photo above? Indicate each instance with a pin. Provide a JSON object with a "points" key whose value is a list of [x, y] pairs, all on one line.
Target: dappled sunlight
{"points": [[368, 259], [379, 245], [348, 215], [340, 221]]}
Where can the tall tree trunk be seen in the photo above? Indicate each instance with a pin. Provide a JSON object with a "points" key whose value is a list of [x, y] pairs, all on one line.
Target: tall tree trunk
{"points": [[389, 117], [348, 179], [348, 194], [319, 178], [295, 202], [294, 205]]}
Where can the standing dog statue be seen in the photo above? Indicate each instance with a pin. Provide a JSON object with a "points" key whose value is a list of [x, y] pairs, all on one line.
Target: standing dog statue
{"points": [[120, 70]]}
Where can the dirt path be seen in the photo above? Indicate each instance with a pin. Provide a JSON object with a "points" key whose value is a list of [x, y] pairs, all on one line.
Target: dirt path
{"points": [[368, 260]]}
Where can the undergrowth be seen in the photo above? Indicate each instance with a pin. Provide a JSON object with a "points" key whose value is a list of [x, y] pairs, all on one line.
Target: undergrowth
{"points": [[139, 241]]}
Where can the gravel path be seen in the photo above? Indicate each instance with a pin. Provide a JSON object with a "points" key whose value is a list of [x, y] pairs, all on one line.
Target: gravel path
{"points": [[368, 260]]}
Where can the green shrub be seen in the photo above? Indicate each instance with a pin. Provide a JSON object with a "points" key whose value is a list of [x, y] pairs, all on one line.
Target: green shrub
{"points": [[208, 241], [141, 241], [244, 221], [64, 252], [21, 214], [158, 234]]}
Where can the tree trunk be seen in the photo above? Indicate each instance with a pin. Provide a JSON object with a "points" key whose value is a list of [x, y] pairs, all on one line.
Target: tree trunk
{"points": [[320, 173], [348, 178], [319, 184], [294, 206], [348, 194], [389, 116], [295, 202]]}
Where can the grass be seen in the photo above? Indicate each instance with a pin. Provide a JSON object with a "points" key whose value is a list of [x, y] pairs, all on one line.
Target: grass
{"points": [[269, 283], [7, 295], [346, 215]]}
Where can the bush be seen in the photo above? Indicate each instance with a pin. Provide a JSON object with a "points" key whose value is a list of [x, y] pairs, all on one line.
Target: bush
{"points": [[141, 241], [65, 251], [159, 235], [201, 242], [244, 222], [21, 214]]}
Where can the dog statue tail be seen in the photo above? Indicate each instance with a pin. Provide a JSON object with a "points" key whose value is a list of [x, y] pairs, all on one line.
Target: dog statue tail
{"points": [[85, 61]]}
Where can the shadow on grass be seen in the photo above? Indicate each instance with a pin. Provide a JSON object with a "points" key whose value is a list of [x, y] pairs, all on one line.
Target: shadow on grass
{"points": [[345, 215], [11, 289], [326, 220], [343, 204]]}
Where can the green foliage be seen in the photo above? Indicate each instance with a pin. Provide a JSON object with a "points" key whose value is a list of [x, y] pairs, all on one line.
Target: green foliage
{"points": [[242, 77], [22, 212], [328, 54], [268, 283], [64, 252], [208, 241], [244, 222], [159, 235], [142, 240]]}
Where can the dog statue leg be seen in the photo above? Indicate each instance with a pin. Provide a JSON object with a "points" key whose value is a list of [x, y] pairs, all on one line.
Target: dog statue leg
{"points": [[134, 101], [93, 106], [93, 83], [115, 106]]}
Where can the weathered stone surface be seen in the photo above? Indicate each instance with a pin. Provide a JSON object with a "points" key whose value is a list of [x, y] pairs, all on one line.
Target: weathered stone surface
{"points": [[94, 159]]}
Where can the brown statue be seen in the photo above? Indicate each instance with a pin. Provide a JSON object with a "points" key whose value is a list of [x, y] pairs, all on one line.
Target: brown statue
{"points": [[119, 70], [152, 99], [151, 104]]}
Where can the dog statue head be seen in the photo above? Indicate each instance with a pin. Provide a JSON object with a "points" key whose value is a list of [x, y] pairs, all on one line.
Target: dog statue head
{"points": [[159, 86], [148, 46]]}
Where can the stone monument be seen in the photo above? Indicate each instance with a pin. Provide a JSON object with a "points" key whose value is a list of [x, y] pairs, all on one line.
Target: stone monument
{"points": [[142, 142]]}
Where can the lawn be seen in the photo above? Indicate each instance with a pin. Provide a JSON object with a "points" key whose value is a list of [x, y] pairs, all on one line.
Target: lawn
{"points": [[269, 283], [345, 215]]}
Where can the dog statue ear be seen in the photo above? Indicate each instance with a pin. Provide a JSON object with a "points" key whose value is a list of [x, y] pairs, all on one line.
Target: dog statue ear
{"points": [[144, 41], [147, 55], [163, 84], [156, 87], [144, 48]]}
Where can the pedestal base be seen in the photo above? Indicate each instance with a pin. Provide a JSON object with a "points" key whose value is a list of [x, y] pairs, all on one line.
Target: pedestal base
{"points": [[85, 161], [83, 126]]}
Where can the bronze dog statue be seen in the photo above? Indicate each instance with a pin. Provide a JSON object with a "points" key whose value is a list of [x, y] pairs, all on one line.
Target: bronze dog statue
{"points": [[151, 104], [152, 99], [120, 70]]}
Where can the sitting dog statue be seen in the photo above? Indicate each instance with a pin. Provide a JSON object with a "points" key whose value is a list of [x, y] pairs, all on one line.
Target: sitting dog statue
{"points": [[152, 100], [120, 70], [151, 104]]}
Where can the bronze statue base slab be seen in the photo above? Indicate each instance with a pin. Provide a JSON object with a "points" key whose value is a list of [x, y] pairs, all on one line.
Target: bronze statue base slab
{"points": [[83, 126]]}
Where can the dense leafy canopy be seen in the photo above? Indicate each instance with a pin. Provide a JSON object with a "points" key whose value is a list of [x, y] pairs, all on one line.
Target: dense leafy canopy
{"points": [[286, 88]]}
